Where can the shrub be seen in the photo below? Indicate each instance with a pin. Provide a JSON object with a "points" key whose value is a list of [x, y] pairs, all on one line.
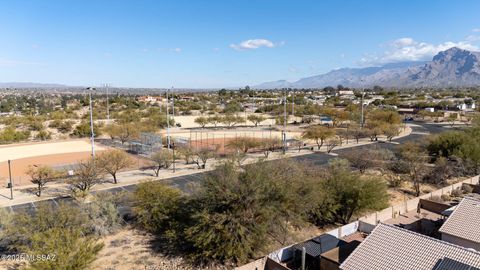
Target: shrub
{"points": [[467, 189], [456, 192], [445, 197], [62, 232], [156, 206]]}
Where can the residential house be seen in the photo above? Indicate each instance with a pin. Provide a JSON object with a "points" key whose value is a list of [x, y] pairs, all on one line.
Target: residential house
{"points": [[463, 225], [389, 247]]}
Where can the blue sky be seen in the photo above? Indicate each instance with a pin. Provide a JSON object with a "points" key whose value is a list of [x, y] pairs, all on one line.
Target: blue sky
{"points": [[210, 43]]}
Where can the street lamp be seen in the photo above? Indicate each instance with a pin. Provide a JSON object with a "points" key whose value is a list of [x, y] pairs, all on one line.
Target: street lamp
{"points": [[92, 134]]}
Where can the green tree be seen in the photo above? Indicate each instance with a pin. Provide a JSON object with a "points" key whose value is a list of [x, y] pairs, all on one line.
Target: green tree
{"points": [[157, 207], [319, 134], [256, 119], [202, 121], [346, 194], [112, 161]]}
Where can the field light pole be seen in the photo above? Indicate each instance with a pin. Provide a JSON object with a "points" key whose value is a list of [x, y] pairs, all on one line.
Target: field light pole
{"points": [[168, 124], [108, 109], [363, 96], [293, 103], [361, 102], [173, 149], [92, 134], [173, 105], [10, 176], [285, 122]]}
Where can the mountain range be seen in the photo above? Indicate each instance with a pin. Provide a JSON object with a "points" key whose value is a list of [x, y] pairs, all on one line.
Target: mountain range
{"points": [[452, 67]]}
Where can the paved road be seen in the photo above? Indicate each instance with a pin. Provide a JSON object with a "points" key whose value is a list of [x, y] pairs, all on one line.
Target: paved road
{"points": [[183, 182]]}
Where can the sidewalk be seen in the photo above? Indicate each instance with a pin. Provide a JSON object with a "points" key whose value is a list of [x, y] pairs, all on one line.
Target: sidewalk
{"points": [[25, 194]]}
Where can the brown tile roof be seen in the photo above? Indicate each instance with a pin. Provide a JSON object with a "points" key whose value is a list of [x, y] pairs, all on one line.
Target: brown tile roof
{"points": [[392, 248], [464, 222]]}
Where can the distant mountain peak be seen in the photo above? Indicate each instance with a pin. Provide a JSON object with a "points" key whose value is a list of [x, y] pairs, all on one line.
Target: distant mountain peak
{"points": [[452, 67]]}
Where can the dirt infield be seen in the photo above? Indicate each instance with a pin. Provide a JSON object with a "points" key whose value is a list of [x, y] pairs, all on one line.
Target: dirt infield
{"points": [[19, 166], [54, 154], [27, 150]]}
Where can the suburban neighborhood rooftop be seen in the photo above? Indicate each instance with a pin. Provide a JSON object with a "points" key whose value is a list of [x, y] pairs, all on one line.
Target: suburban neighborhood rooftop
{"points": [[464, 222], [391, 247]]}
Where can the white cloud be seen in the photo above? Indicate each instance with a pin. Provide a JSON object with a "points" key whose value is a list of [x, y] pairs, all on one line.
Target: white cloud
{"points": [[252, 44], [476, 30], [11, 62], [472, 38], [177, 50], [407, 49]]}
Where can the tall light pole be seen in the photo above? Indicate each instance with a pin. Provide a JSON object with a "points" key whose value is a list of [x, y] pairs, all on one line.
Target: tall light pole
{"points": [[293, 103], [284, 121], [108, 109], [92, 135], [10, 177], [168, 123], [361, 103], [173, 105]]}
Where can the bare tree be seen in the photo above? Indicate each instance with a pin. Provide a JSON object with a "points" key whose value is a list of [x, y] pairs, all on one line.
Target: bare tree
{"points": [[161, 159], [202, 155], [243, 144], [415, 159], [391, 131], [40, 175], [112, 161], [269, 145], [332, 143], [369, 158], [187, 153], [86, 175]]}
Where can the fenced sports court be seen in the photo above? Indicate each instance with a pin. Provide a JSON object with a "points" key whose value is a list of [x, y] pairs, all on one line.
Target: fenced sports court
{"points": [[220, 140]]}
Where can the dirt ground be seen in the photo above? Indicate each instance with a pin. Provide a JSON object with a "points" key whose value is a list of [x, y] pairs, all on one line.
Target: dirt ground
{"points": [[28, 150], [19, 166], [131, 249]]}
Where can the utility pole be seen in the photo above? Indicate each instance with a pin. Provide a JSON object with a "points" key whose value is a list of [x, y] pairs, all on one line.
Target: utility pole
{"points": [[10, 176], [293, 103], [108, 109], [361, 103], [173, 105], [173, 149], [168, 123], [284, 121], [92, 135], [361, 117]]}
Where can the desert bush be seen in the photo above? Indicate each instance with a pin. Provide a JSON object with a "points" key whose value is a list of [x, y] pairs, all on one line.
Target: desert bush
{"points": [[456, 192], [60, 233], [467, 189]]}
